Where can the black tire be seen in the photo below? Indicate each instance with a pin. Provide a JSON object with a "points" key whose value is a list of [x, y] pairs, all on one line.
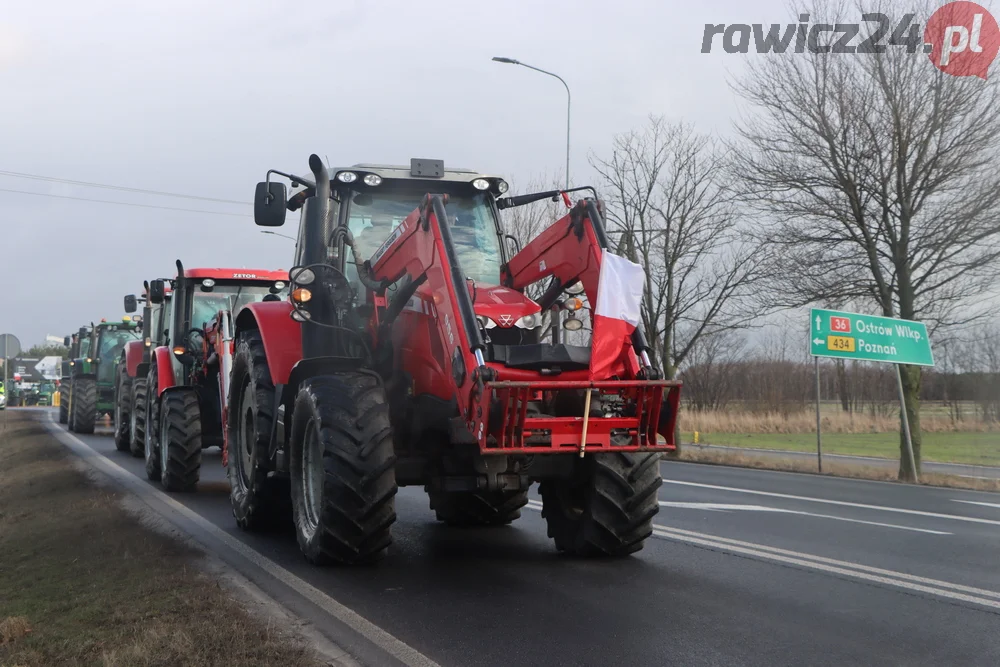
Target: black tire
{"points": [[180, 439], [477, 508], [608, 508], [342, 439], [137, 418], [151, 430], [123, 408], [63, 403], [84, 413], [259, 502]]}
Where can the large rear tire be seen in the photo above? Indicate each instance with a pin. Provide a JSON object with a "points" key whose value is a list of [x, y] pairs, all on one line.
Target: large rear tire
{"points": [[259, 502], [477, 508], [137, 418], [63, 403], [180, 439], [607, 509], [123, 408], [342, 465], [151, 432], [84, 405]]}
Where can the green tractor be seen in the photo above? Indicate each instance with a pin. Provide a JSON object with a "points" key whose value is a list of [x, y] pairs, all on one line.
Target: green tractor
{"points": [[88, 384]]}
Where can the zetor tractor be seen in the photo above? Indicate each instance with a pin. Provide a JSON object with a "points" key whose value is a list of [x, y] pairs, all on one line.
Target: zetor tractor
{"points": [[91, 385], [182, 413], [408, 354]]}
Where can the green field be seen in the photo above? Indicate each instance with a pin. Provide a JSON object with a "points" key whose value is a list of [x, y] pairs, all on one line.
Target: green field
{"points": [[974, 448]]}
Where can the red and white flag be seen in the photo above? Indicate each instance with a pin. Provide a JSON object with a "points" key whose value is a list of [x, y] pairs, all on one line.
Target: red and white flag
{"points": [[616, 314]]}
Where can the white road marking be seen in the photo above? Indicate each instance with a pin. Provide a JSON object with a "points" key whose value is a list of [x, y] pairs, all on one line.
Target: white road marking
{"points": [[974, 502], [779, 510], [373, 633], [842, 503], [903, 580]]}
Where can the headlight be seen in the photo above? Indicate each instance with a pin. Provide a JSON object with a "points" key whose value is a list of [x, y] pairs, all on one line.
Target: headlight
{"points": [[304, 277], [481, 184], [572, 324], [208, 282], [347, 177], [373, 180], [300, 315], [502, 186], [529, 321]]}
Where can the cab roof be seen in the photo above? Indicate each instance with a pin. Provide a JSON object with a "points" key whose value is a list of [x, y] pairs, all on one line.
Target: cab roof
{"points": [[417, 170], [264, 275]]}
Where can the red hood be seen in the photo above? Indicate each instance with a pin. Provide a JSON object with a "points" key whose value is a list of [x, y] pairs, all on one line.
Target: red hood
{"points": [[502, 304]]}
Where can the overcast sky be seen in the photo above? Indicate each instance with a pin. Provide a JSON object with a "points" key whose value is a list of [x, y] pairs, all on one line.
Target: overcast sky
{"points": [[202, 98]]}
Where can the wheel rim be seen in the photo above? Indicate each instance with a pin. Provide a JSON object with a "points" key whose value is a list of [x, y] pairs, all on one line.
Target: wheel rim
{"points": [[246, 432], [163, 447], [312, 476]]}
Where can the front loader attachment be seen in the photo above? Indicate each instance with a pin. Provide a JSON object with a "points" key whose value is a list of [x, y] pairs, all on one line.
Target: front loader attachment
{"points": [[643, 411]]}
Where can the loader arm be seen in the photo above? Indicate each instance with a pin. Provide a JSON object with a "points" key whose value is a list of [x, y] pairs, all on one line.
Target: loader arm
{"points": [[422, 248]]}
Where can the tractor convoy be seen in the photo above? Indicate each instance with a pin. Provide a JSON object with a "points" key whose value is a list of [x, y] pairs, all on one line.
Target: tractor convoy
{"points": [[401, 349]]}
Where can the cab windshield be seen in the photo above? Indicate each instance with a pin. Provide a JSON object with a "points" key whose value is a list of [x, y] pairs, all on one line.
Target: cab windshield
{"points": [[373, 216], [109, 349], [227, 297]]}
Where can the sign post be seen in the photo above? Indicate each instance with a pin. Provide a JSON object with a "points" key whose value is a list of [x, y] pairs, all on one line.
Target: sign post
{"points": [[10, 346], [871, 338]]}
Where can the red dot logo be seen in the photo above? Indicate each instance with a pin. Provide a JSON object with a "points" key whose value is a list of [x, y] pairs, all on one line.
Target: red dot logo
{"points": [[964, 37]]}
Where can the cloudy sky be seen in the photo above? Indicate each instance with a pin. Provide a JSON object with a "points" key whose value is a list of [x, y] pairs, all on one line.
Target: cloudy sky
{"points": [[202, 98]]}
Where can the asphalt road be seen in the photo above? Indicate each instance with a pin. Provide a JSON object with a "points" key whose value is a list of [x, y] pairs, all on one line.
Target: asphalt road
{"points": [[959, 469], [746, 567]]}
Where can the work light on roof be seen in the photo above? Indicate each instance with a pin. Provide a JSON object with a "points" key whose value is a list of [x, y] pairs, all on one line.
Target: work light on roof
{"points": [[347, 177], [481, 184], [502, 186], [208, 282], [373, 180]]}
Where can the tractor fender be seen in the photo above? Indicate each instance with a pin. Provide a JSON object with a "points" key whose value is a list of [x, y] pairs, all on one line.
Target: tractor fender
{"points": [[164, 369], [133, 356], [281, 335]]}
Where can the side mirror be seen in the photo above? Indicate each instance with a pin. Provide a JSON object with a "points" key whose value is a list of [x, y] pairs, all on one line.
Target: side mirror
{"points": [[156, 291], [67, 341], [269, 202], [131, 305]]}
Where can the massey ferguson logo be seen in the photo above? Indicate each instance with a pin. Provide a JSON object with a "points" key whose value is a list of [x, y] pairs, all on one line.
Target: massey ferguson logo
{"points": [[505, 320]]}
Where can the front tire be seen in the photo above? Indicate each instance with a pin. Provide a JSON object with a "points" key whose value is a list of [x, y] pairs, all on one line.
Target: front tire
{"points": [[259, 502], [342, 465], [63, 403], [180, 439], [137, 418], [151, 432], [123, 409], [607, 509], [84, 405], [477, 508]]}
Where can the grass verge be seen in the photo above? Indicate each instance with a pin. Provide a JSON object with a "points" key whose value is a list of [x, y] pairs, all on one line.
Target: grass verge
{"points": [[971, 447], [85, 583], [834, 469]]}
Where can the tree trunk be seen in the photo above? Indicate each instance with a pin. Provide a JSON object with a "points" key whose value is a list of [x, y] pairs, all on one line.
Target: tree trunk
{"points": [[911, 400], [843, 385]]}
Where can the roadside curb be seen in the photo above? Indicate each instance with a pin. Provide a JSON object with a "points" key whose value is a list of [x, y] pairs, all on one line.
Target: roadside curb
{"points": [[345, 638]]}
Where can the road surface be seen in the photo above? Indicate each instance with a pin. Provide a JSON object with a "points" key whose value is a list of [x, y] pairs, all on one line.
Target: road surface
{"points": [[746, 567]]}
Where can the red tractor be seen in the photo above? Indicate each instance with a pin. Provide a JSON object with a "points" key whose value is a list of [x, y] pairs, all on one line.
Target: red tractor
{"points": [[409, 354], [182, 412]]}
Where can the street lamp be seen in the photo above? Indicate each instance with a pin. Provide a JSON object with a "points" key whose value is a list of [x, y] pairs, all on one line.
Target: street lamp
{"points": [[264, 231], [511, 61]]}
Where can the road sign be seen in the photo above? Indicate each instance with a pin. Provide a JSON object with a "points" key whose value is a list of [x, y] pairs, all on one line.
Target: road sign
{"points": [[10, 346], [869, 338]]}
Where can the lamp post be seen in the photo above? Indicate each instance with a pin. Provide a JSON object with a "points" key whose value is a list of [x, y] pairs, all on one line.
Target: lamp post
{"points": [[264, 231], [511, 61]]}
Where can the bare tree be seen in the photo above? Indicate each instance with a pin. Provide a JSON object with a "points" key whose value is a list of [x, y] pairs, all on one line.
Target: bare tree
{"points": [[875, 175], [668, 211]]}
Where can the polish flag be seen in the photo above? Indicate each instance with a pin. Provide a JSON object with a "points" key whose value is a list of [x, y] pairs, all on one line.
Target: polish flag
{"points": [[616, 314]]}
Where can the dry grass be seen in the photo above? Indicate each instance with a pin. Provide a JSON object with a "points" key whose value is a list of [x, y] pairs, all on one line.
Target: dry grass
{"points": [[98, 588], [804, 421], [834, 469]]}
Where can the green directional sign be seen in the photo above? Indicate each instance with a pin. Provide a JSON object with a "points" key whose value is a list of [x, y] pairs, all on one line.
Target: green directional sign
{"points": [[869, 338]]}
